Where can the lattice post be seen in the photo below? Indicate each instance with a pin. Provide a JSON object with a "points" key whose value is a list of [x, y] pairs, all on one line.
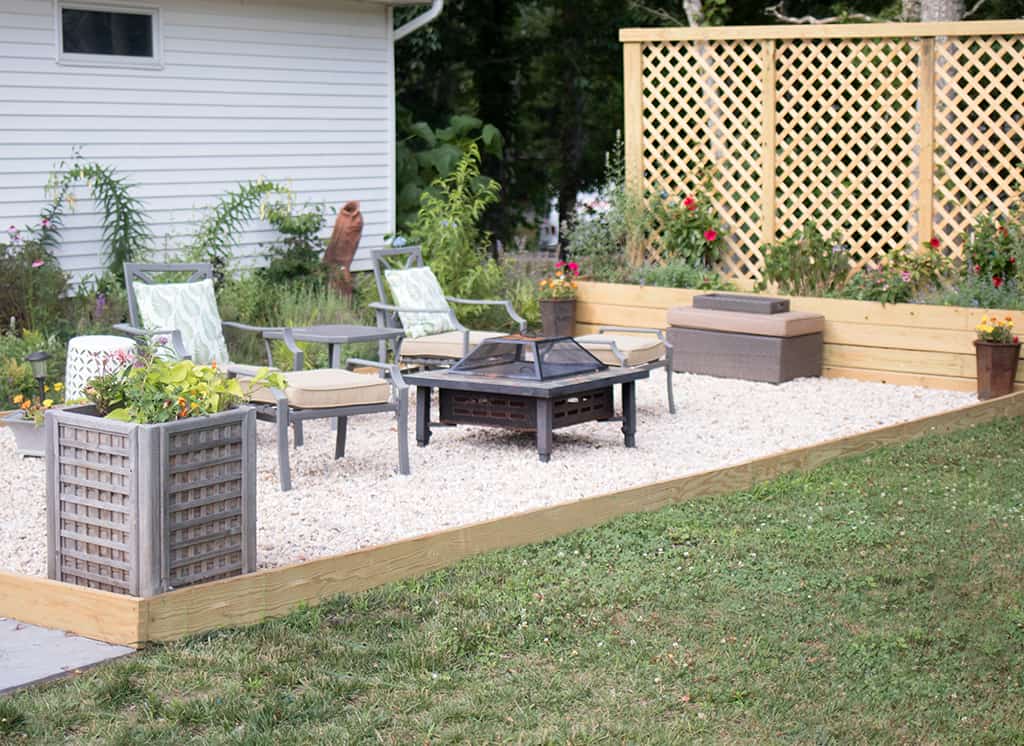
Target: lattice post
{"points": [[633, 94], [926, 158], [768, 138]]}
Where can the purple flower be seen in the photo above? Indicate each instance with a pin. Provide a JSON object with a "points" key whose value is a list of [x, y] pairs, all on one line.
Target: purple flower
{"points": [[101, 304]]}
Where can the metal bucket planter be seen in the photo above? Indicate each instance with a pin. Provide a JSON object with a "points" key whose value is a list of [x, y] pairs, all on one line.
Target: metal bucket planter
{"points": [[558, 316], [997, 367], [29, 439], [143, 509]]}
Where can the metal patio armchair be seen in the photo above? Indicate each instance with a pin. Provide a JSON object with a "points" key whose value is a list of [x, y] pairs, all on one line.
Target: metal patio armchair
{"points": [[309, 394], [434, 350]]}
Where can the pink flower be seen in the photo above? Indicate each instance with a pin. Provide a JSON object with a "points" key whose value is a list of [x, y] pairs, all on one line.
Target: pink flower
{"points": [[710, 235], [574, 268], [905, 276], [559, 265], [38, 263]]}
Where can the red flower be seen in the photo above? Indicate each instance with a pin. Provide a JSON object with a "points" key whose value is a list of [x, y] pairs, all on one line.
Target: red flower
{"points": [[977, 268], [574, 268], [1012, 260], [710, 235], [997, 281], [690, 203], [1016, 339], [934, 242]]}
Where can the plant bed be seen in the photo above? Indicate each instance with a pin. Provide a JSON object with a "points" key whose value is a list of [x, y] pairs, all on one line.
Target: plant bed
{"points": [[141, 509]]}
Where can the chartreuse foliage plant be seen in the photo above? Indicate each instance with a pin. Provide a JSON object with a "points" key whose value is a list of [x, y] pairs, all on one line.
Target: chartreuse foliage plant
{"points": [[150, 388]]}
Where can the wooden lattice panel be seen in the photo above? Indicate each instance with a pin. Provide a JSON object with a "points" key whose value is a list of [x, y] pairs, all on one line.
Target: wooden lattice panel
{"points": [[846, 130], [704, 115], [979, 129], [890, 133]]}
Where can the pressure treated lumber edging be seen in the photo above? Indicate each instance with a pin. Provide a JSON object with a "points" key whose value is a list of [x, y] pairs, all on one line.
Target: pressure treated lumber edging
{"points": [[276, 591]]}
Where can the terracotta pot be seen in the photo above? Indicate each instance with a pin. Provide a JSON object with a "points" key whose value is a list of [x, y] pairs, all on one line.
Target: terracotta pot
{"points": [[558, 316], [28, 439], [997, 367]]}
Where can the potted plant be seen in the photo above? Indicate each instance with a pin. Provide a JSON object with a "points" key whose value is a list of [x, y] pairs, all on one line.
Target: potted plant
{"points": [[997, 351], [558, 300], [152, 486], [26, 422]]}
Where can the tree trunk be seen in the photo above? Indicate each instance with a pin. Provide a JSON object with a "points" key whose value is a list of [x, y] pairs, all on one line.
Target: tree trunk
{"points": [[571, 136], [941, 10]]}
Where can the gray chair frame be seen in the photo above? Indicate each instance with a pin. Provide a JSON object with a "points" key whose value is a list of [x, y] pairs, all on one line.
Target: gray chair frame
{"points": [[387, 313], [665, 363], [281, 412]]}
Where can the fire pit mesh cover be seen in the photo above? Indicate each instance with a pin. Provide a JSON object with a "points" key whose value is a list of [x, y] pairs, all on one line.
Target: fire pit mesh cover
{"points": [[530, 358]]}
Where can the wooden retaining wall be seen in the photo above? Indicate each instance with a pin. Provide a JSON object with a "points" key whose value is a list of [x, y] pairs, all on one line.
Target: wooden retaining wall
{"points": [[901, 343], [275, 592]]}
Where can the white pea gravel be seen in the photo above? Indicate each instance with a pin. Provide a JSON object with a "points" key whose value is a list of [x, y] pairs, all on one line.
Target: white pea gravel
{"points": [[470, 474]]}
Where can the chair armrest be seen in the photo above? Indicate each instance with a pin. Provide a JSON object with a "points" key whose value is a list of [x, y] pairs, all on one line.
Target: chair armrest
{"points": [[248, 328], [506, 304], [176, 342], [393, 371], [402, 309], [659, 333]]}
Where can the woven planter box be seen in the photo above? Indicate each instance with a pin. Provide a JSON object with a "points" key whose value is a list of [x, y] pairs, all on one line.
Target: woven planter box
{"points": [[143, 509]]}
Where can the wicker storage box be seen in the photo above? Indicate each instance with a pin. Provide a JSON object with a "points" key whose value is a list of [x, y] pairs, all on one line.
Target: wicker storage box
{"points": [[142, 509]]}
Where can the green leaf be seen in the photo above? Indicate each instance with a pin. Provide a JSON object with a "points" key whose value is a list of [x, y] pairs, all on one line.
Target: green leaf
{"points": [[462, 124], [492, 139], [441, 159], [121, 415], [423, 131]]}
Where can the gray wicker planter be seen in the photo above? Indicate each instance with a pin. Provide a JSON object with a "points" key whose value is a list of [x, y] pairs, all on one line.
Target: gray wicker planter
{"points": [[29, 439], [142, 509]]}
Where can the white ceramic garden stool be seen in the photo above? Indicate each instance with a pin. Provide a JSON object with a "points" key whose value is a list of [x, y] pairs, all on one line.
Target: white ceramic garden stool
{"points": [[91, 356]]}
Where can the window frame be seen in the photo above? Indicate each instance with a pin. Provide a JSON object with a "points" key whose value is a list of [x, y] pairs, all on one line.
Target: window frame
{"points": [[109, 60]]}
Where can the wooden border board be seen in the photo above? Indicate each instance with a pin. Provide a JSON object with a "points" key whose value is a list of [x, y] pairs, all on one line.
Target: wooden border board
{"points": [[276, 591]]}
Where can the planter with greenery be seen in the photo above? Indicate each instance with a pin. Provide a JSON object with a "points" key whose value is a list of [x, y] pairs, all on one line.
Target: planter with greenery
{"points": [[558, 300], [997, 350], [153, 485]]}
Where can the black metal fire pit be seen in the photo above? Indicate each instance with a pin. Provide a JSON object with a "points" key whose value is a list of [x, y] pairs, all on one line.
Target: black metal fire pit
{"points": [[528, 358]]}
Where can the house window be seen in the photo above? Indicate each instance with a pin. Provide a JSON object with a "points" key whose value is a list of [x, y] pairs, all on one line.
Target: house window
{"points": [[97, 34]]}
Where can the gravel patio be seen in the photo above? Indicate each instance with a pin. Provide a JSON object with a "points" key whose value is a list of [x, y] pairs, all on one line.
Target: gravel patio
{"points": [[468, 474]]}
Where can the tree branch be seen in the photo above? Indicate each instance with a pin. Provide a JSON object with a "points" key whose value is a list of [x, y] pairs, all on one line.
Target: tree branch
{"points": [[776, 12], [659, 14], [974, 9]]}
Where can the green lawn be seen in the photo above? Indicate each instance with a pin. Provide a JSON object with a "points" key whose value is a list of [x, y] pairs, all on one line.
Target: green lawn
{"points": [[879, 599]]}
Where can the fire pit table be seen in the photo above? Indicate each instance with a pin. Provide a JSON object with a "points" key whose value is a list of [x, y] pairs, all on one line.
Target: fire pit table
{"points": [[521, 383]]}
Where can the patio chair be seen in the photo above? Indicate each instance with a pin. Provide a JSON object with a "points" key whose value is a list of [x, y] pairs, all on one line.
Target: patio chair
{"points": [[186, 313], [633, 347], [434, 337]]}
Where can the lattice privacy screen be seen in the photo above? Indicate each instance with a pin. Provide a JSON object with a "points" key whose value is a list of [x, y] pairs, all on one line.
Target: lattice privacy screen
{"points": [[891, 139]]}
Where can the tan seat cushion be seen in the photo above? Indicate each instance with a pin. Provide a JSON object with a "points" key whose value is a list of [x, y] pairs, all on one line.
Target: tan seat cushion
{"points": [[448, 344], [638, 349], [789, 324], [327, 387]]}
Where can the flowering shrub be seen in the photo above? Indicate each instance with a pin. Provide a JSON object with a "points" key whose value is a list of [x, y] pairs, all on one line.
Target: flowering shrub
{"points": [[560, 284], [992, 247], [34, 408], [806, 263], [34, 286], [885, 284], [992, 329], [149, 388], [691, 230]]}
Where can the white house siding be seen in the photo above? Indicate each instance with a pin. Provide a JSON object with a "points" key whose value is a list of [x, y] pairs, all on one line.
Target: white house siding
{"points": [[298, 92]]}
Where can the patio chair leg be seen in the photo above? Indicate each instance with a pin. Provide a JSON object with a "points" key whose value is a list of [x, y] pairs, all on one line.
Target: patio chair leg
{"points": [[668, 383], [297, 426], [403, 432], [339, 441], [283, 464]]}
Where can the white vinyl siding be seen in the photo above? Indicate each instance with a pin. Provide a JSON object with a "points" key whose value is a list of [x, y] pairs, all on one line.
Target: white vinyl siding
{"points": [[295, 92]]}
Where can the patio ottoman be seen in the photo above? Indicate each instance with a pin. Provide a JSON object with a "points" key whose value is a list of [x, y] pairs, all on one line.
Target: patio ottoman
{"points": [[770, 347]]}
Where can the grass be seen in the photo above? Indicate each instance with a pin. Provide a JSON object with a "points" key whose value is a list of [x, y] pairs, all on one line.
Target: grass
{"points": [[879, 599]]}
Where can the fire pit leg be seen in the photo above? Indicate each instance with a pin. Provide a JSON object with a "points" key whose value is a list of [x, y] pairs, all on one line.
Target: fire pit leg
{"points": [[422, 415], [544, 407], [629, 413]]}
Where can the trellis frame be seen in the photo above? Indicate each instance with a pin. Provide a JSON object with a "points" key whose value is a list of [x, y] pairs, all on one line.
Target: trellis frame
{"points": [[893, 133]]}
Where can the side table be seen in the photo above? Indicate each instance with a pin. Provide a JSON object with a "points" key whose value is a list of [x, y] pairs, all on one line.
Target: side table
{"points": [[91, 356]]}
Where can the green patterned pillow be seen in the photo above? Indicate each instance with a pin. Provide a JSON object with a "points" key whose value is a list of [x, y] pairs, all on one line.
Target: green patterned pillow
{"points": [[418, 288], [189, 307]]}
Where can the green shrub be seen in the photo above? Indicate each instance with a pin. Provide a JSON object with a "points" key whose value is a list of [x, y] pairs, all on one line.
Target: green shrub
{"points": [[977, 291], [680, 274], [34, 285], [885, 284], [806, 263], [993, 246], [454, 246], [298, 254], [16, 374]]}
